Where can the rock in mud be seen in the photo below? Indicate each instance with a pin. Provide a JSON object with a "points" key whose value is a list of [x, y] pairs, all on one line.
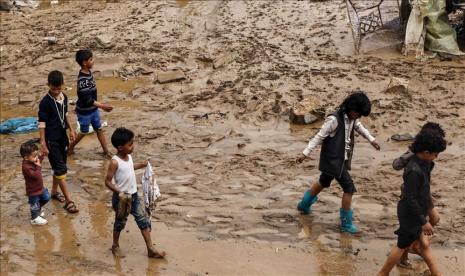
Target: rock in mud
{"points": [[104, 41], [223, 60], [307, 111], [165, 77], [397, 86], [6, 5], [402, 137], [26, 99]]}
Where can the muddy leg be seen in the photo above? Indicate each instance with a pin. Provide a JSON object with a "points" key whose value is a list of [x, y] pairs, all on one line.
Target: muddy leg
{"points": [[103, 142], [152, 253], [392, 260], [73, 144], [115, 249], [427, 255]]}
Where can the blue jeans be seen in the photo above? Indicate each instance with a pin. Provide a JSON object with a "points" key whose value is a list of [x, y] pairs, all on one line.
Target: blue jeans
{"points": [[137, 211], [36, 203], [92, 118]]}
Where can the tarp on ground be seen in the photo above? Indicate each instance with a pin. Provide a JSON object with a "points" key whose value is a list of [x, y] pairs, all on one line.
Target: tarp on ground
{"points": [[19, 125]]}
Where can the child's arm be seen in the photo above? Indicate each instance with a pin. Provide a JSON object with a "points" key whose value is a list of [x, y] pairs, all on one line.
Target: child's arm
{"points": [[103, 106], [43, 115], [400, 162], [328, 127], [72, 132], [141, 165], [110, 173], [366, 134]]}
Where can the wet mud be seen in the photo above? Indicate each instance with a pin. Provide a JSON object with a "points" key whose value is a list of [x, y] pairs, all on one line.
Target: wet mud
{"points": [[220, 141]]}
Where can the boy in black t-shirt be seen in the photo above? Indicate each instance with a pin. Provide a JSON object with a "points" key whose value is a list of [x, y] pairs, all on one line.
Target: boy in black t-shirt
{"points": [[415, 202], [87, 105], [53, 122]]}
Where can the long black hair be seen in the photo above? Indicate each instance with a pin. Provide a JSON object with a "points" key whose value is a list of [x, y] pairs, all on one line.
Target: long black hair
{"points": [[358, 102]]}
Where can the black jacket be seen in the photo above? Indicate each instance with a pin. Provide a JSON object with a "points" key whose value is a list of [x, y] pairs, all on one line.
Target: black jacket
{"points": [[332, 155], [415, 200]]}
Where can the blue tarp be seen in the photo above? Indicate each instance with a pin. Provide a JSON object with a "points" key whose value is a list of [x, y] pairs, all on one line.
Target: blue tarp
{"points": [[19, 125]]}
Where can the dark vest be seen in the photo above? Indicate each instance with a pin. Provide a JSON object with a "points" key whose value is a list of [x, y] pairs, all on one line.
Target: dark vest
{"points": [[333, 148]]}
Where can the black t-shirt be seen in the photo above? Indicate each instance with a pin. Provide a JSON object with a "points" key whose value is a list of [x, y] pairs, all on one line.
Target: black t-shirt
{"points": [[87, 93], [53, 114]]}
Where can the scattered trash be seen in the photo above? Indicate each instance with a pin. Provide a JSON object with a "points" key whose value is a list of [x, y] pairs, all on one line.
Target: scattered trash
{"points": [[50, 40], [91, 129], [403, 137]]}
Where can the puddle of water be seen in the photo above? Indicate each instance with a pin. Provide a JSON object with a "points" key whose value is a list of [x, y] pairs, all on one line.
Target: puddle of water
{"points": [[182, 3]]}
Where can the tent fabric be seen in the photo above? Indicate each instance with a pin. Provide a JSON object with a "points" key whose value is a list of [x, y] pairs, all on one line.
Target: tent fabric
{"points": [[439, 35], [19, 125]]}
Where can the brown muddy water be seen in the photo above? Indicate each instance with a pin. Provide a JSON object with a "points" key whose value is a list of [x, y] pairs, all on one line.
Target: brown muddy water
{"points": [[220, 142]]}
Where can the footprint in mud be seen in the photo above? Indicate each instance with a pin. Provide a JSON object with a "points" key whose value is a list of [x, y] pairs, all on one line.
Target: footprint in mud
{"points": [[281, 220]]}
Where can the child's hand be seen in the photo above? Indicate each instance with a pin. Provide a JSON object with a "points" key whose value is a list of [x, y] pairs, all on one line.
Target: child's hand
{"points": [[427, 229], [375, 145], [44, 149], [72, 136], [301, 158], [106, 107]]}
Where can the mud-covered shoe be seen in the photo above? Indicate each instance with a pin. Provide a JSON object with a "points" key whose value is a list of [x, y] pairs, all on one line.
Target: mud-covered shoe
{"points": [[304, 206], [346, 221], [39, 221]]}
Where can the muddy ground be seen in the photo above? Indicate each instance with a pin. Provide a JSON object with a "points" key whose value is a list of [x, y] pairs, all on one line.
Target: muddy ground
{"points": [[228, 179]]}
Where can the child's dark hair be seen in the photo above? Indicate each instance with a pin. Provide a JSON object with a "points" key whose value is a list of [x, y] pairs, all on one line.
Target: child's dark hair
{"points": [[55, 78], [357, 102], [121, 136], [429, 141], [430, 126], [83, 55], [28, 148]]}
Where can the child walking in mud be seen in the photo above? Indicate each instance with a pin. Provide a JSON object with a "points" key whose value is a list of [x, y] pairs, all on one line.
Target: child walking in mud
{"points": [[53, 122], [399, 164], [415, 202], [337, 137], [87, 106], [32, 172], [125, 199]]}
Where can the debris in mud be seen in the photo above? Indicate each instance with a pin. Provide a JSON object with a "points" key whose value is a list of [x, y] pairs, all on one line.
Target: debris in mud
{"points": [[6, 5], [26, 99], [172, 76], [307, 111], [397, 86], [223, 60], [402, 137], [105, 41], [51, 40]]}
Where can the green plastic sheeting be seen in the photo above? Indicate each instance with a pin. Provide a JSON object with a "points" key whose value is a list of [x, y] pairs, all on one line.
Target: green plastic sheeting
{"points": [[440, 37]]}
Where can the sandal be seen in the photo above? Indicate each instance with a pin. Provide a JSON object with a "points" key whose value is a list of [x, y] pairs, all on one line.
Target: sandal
{"points": [[71, 207], [59, 197]]}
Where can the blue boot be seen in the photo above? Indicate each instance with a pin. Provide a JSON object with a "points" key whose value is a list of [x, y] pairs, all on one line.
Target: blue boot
{"points": [[346, 221], [306, 202]]}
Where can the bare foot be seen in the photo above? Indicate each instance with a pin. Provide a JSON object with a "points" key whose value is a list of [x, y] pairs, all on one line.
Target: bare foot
{"points": [[152, 253], [117, 251], [70, 152]]}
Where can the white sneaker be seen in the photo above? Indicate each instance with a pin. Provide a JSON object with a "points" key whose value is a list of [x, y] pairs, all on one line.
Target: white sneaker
{"points": [[42, 214], [39, 221]]}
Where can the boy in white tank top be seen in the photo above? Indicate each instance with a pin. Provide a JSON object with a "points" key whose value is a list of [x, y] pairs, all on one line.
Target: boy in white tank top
{"points": [[121, 169]]}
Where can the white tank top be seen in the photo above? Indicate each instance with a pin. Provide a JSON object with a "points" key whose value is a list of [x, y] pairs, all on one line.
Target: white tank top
{"points": [[125, 177]]}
